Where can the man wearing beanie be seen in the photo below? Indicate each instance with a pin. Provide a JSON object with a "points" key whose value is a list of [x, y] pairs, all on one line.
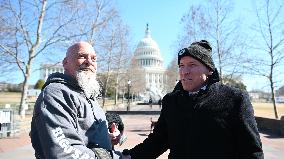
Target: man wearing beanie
{"points": [[202, 118]]}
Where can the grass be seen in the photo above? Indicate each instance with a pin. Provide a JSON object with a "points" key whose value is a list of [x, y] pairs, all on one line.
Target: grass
{"points": [[10, 97], [266, 110], [14, 98], [260, 109]]}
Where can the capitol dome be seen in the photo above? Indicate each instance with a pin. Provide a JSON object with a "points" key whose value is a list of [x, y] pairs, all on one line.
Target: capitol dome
{"points": [[148, 58], [147, 53], [147, 41]]}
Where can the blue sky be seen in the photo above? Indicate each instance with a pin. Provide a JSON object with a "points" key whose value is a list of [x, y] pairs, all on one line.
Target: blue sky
{"points": [[163, 17]]}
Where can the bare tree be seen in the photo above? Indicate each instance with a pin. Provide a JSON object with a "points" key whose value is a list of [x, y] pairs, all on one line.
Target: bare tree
{"points": [[113, 54], [196, 26], [105, 31], [270, 44], [5, 61], [35, 26], [23, 39], [121, 60], [171, 75], [109, 51], [96, 18], [215, 23], [136, 74]]}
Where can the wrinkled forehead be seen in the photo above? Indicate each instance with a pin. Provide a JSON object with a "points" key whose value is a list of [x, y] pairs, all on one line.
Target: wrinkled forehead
{"points": [[189, 59], [80, 48]]}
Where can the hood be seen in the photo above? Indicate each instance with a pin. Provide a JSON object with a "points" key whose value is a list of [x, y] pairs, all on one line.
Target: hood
{"points": [[62, 78]]}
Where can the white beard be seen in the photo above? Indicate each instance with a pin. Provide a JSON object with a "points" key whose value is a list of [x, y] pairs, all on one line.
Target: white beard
{"points": [[87, 80]]}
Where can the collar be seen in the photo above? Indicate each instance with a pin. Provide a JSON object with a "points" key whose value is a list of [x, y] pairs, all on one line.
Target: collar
{"points": [[195, 93]]}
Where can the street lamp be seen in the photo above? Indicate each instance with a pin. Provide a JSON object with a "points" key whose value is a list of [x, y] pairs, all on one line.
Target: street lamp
{"points": [[128, 95]]}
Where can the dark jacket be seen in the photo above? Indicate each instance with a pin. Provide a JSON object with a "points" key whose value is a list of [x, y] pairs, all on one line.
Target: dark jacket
{"points": [[216, 123]]}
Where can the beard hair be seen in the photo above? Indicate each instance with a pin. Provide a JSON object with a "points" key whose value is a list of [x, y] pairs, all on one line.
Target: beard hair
{"points": [[87, 80]]}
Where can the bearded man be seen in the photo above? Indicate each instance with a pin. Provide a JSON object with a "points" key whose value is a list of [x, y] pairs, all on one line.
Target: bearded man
{"points": [[67, 120]]}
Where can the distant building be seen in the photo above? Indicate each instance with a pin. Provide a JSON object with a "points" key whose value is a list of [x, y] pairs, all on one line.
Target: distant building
{"points": [[254, 95], [259, 96], [3, 86], [33, 92], [47, 69], [279, 99], [148, 57], [280, 91]]}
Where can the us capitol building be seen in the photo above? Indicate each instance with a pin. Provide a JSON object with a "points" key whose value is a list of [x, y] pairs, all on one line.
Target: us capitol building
{"points": [[148, 57]]}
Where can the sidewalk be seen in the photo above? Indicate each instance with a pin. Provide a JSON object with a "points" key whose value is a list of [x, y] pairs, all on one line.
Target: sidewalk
{"points": [[137, 127]]}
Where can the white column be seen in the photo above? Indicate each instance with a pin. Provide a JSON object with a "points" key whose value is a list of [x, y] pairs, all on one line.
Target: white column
{"points": [[147, 78], [46, 74]]}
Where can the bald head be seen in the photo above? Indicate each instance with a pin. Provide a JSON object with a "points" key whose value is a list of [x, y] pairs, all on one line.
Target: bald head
{"points": [[77, 47], [79, 55]]}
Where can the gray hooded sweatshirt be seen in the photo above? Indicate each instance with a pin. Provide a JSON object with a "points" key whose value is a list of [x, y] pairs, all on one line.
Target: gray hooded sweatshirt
{"points": [[68, 124]]}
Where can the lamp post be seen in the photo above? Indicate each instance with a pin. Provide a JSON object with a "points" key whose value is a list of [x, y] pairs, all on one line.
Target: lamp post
{"points": [[128, 95]]}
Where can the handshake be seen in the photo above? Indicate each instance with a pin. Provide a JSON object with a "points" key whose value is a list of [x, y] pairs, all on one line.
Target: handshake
{"points": [[116, 128], [116, 135]]}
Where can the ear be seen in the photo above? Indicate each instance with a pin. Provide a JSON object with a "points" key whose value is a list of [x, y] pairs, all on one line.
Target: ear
{"points": [[209, 71], [64, 62]]}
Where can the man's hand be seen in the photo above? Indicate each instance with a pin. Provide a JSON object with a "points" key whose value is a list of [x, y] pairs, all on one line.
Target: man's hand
{"points": [[118, 154], [125, 157], [114, 134], [125, 154]]}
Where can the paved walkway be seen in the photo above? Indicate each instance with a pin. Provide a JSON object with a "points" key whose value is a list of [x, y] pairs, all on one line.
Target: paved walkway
{"points": [[137, 127]]}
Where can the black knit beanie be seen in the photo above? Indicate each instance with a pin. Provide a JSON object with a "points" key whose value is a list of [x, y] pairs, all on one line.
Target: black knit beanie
{"points": [[201, 51]]}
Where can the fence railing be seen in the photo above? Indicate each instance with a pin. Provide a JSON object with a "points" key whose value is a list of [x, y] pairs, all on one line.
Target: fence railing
{"points": [[8, 125], [11, 124]]}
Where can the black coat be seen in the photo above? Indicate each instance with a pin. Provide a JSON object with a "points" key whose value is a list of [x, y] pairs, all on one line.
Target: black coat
{"points": [[217, 123]]}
